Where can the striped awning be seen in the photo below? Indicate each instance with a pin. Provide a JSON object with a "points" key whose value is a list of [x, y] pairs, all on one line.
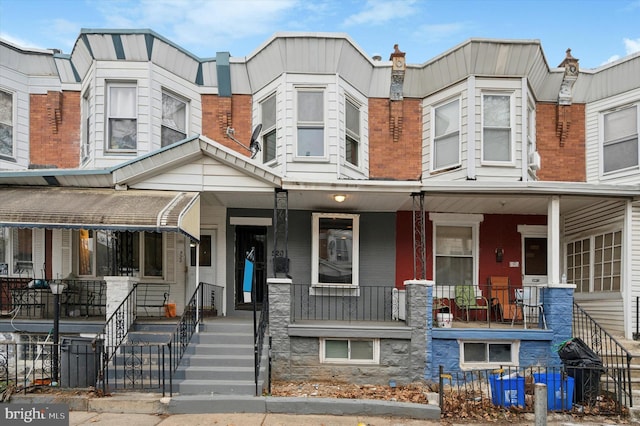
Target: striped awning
{"points": [[110, 209]]}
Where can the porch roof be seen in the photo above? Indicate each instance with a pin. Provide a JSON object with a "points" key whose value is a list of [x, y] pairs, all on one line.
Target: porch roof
{"points": [[98, 208]]}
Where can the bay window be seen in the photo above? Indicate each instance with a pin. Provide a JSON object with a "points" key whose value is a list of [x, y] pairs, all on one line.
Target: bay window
{"points": [[352, 132], [6, 124], [446, 135], [122, 117], [620, 140], [310, 123], [497, 130], [269, 137], [174, 119]]}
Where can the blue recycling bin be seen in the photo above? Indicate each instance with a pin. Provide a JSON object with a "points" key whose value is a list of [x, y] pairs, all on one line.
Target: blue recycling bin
{"points": [[507, 391], [559, 390]]}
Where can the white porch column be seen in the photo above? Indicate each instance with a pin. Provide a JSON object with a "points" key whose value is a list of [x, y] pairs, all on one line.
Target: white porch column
{"points": [[553, 241]]}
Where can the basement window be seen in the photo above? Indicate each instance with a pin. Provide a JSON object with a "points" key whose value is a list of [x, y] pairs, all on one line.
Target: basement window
{"points": [[350, 351], [474, 354]]}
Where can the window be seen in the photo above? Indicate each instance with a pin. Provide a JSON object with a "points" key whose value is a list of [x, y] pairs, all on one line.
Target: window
{"points": [[594, 264], [268, 110], [86, 131], [496, 128], [97, 249], [352, 133], [6, 124], [446, 135], [353, 351], [335, 249], [488, 353], [620, 142], [122, 118], [174, 119], [310, 123], [533, 158], [454, 255], [16, 251]]}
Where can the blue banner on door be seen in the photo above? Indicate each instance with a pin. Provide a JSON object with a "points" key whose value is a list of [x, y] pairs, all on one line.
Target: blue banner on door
{"points": [[247, 283]]}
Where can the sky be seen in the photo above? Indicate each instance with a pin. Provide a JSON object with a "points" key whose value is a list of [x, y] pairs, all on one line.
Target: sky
{"points": [[596, 31]]}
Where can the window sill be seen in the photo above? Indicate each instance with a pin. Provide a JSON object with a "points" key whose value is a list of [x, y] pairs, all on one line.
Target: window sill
{"points": [[337, 290]]}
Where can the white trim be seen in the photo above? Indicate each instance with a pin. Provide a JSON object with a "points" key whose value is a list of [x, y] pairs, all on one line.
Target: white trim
{"points": [[315, 249], [515, 354], [471, 128], [433, 166], [512, 127], [250, 221], [348, 360], [325, 114]]}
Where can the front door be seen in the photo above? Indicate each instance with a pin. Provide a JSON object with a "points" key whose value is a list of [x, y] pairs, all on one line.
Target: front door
{"points": [[534, 249], [248, 237], [207, 267]]}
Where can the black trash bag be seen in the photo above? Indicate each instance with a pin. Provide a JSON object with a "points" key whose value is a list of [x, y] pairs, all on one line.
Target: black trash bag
{"points": [[576, 353], [585, 366]]}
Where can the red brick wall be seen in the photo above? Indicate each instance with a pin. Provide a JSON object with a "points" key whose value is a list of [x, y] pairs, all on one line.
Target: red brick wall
{"points": [[219, 113], [561, 160], [401, 160], [54, 134]]}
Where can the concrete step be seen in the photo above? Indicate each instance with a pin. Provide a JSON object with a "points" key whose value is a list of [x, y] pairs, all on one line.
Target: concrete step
{"points": [[220, 387], [218, 349], [215, 373], [202, 360], [209, 337]]}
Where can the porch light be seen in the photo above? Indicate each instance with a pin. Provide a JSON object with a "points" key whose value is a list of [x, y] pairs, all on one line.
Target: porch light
{"points": [[339, 198]]}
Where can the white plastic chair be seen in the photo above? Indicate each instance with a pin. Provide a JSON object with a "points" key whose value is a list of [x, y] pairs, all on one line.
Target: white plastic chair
{"points": [[526, 299]]}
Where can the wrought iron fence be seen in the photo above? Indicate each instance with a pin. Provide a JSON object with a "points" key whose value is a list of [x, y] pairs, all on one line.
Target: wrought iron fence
{"points": [[577, 390], [342, 303], [259, 331], [605, 346]]}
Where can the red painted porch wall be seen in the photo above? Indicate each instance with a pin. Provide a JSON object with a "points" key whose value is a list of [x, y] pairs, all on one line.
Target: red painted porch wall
{"points": [[495, 231], [502, 231]]}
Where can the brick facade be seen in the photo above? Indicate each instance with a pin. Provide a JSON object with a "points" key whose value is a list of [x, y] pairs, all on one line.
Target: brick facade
{"points": [[388, 159], [54, 132], [218, 113], [560, 139]]}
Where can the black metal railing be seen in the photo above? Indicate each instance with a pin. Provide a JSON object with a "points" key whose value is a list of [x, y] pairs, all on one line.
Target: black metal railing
{"points": [[259, 331], [577, 390], [636, 334], [606, 347], [342, 303], [115, 331]]}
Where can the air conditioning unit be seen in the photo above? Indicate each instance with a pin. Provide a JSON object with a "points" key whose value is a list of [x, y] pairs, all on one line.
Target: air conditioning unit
{"points": [[534, 160]]}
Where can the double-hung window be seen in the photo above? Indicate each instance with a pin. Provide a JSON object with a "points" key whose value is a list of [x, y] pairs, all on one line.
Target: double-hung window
{"points": [[455, 248], [620, 142], [335, 247], [352, 132], [488, 354], [446, 135], [86, 124], [122, 117], [6, 124], [269, 136], [16, 251], [310, 123], [497, 137], [174, 119]]}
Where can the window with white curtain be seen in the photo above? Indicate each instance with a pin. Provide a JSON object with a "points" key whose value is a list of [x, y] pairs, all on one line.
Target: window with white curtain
{"points": [[174, 119], [352, 132], [6, 124], [446, 135], [620, 140], [496, 128], [122, 117], [269, 136], [16, 251], [310, 136]]}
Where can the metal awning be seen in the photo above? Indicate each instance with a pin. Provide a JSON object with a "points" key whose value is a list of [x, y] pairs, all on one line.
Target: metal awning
{"points": [[125, 210]]}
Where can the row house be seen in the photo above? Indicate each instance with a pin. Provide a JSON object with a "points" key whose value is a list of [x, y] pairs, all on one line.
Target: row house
{"points": [[377, 198]]}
